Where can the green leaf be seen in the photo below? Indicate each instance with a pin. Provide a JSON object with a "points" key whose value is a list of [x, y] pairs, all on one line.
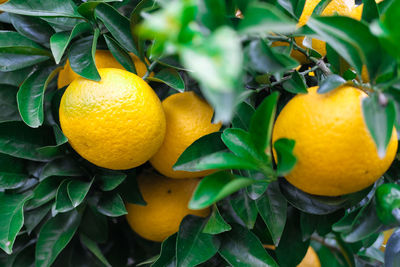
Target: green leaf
{"points": [[330, 83], [215, 187], [261, 18], [242, 117], [285, 158], [192, 245], [12, 172], [42, 8], [216, 224], [297, 84], [167, 255], [379, 119], [294, 7], [262, 122], [109, 181], [246, 209], [170, 77], [370, 11], [44, 192], [241, 248], [63, 202], [8, 104], [112, 205], [60, 40], [30, 96], [77, 191], [33, 28], [34, 217], [94, 225], [272, 207], [54, 236], [18, 52], [65, 166], [212, 13], [120, 54], [21, 141], [81, 57], [392, 251], [15, 78], [94, 248], [118, 25], [129, 190], [12, 218]]}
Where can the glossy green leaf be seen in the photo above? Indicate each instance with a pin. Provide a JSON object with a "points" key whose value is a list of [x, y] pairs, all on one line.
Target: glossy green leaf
{"points": [[167, 256], [61, 167], [54, 236], [15, 78], [262, 121], [392, 251], [246, 209], [109, 181], [33, 28], [77, 191], [243, 116], [8, 104], [12, 172], [192, 245], [120, 54], [260, 18], [285, 158], [60, 40], [42, 8], [241, 248], [81, 57], [94, 248], [215, 187], [118, 25], [330, 83], [35, 216], [296, 85], [112, 205], [63, 202], [272, 207], [44, 192], [30, 96], [129, 190], [94, 225], [216, 224], [12, 218], [379, 118], [370, 11], [294, 7], [170, 77]]}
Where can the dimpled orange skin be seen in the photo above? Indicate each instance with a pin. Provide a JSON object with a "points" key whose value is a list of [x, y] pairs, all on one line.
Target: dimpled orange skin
{"points": [[167, 204], [335, 153], [311, 259], [117, 123], [188, 118], [103, 59]]}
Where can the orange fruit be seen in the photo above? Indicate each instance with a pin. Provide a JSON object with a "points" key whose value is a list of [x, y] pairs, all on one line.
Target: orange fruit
{"points": [[311, 259], [117, 123], [167, 204]]}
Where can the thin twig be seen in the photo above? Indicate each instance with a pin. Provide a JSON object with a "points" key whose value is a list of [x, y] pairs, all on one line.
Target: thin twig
{"points": [[150, 69]]}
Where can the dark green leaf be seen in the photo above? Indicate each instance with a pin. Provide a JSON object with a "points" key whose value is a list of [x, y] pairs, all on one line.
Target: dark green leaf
{"points": [[109, 181], [33, 28], [61, 167], [286, 160], [240, 247], [44, 192], [63, 202], [12, 218], [55, 8], [112, 205], [171, 78], [54, 236], [260, 18], [94, 224], [60, 41], [129, 190], [192, 245], [77, 191], [15, 78], [215, 187], [81, 57], [94, 248], [34, 217], [30, 96], [120, 54], [118, 25], [392, 251], [167, 256], [12, 172], [272, 207], [379, 119], [370, 11], [212, 13], [216, 224], [246, 209], [294, 7], [262, 121], [243, 115], [8, 104], [296, 85], [331, 82]]}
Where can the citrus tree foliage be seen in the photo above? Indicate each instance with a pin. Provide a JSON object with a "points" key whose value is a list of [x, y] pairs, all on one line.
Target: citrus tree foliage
{"points": [[58, 209]]}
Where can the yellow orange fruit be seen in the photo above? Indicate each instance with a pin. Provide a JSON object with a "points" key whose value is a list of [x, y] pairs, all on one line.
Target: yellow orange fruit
{"points": [[311, 259], [386, 235], [103, 59], [188, 118], [167, 204], [117, 123], [335, 152]]}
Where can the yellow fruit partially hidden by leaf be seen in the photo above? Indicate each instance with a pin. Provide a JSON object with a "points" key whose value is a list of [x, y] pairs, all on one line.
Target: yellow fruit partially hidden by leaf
{"points": [[386, 235], [103, 59], [188, 118], [117, 123], [335, 152], [167, 204], [311, 259]]}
